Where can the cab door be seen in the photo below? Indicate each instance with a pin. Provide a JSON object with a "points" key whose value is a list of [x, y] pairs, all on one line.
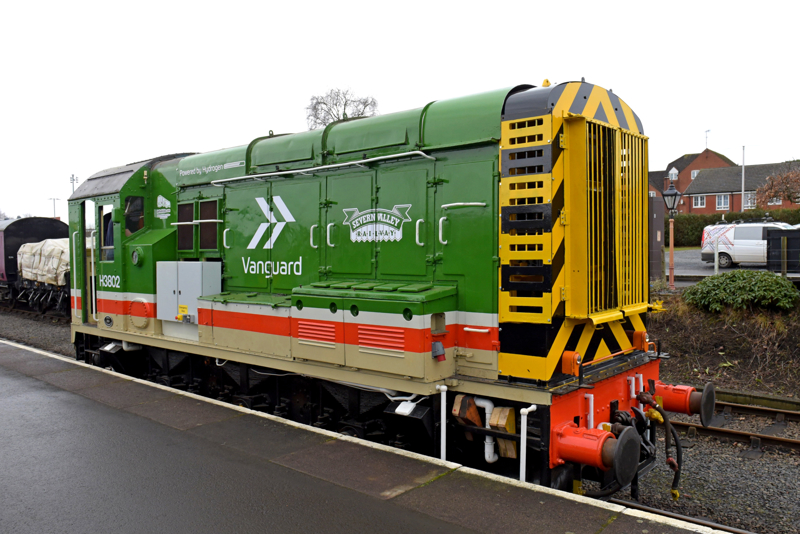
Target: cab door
{"points": [[79, 295]]}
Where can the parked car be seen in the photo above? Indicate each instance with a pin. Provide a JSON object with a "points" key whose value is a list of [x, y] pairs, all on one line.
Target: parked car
{"points": [[739, 242]]}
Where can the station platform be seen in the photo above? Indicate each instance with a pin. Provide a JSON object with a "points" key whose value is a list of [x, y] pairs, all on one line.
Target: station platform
{"points": [[84, 449]]}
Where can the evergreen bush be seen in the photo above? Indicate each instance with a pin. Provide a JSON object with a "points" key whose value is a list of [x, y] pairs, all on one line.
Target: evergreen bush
{"points": [[743, 290]]}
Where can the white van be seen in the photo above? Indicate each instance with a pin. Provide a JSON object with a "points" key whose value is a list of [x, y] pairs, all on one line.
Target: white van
{"points": [[739, 242]]}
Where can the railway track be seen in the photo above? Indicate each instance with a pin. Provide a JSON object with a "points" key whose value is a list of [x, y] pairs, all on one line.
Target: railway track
{"points": [[765, 437], [673, 515], [54, 316]]}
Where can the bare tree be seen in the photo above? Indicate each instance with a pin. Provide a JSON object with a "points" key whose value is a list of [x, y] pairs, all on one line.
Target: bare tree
{"points": [[336, 105], [3, 215], [783, 185]]}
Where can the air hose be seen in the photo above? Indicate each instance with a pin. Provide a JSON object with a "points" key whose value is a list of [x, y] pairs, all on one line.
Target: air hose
{"points": [[669, 433]]}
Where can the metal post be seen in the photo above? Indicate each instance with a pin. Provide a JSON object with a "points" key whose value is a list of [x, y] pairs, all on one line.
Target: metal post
{"points": [[716, 255], [523, 445], [784, 254], [742, 180], [671, 252], [663, 265], [54, 206], [443, 423]]}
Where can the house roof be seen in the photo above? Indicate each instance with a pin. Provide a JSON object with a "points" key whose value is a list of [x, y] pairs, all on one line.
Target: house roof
{"points": [[656, 179], [729, 179], [685, 160]]}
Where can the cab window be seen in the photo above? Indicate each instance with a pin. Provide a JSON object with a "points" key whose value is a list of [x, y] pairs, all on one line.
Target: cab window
{"points": [[106, 233], [134, 215]]}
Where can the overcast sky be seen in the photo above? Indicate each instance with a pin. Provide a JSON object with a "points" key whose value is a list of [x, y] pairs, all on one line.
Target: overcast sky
{"points": [[91, 85]]}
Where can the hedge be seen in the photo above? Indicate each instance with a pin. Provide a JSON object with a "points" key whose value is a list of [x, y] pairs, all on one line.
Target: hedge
{"points": [[689, 226]]}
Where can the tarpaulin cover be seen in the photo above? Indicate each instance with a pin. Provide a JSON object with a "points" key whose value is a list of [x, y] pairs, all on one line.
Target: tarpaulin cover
{"points": [[46, 261]]}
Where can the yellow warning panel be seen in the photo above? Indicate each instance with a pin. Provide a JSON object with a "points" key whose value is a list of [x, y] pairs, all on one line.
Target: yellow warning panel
{"points": [[183, 309]]}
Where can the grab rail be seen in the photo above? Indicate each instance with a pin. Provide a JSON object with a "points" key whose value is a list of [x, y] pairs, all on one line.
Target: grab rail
{"points": [[72, 283], [311, 236], [357, 163], [329, 235], [94, 286], [418, 223]]}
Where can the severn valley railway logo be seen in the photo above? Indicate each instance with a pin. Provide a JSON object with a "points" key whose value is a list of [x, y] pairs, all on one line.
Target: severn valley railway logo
{"points": [[377, 224]]}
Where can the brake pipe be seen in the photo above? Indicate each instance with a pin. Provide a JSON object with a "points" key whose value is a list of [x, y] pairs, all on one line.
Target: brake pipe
{"points": [[523, 453], [443, 424]]}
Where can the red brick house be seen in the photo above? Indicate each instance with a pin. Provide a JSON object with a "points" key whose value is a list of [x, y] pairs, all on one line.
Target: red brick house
{"points": [[720, 190], [683, 170]]}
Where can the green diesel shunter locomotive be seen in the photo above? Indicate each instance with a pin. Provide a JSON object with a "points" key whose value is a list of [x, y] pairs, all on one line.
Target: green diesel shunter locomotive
{"points": [[467, 279]]}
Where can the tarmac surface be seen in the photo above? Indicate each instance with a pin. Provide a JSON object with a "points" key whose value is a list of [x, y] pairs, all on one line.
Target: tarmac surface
{"points": [[88, 450], [690, 268]]}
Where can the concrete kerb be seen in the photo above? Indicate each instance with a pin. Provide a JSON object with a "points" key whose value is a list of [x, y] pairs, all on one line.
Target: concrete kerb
{"points": [[452, 466]]}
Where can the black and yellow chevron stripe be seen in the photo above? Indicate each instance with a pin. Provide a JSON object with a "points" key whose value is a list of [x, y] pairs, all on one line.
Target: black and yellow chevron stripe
{"points": [[535, 329]]}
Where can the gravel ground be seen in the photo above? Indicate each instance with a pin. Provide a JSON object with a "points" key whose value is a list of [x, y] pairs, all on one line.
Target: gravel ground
{"points": [[716, 484], [758, 495], [39, 332]]}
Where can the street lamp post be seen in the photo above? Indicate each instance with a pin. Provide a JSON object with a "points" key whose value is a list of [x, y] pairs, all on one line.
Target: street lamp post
{"points": [[54, 205], [671, 197]]}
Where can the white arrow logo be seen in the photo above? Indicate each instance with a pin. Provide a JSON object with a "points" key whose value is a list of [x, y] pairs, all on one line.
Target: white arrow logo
{"points": [[287, 215]]}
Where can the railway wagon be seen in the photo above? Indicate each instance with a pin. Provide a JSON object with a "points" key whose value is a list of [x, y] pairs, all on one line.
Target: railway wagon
{"points": [[467, 279], [13, 287]]}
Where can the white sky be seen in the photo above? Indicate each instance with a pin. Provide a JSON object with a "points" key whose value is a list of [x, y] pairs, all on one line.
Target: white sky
{"points": [[91, 85]]}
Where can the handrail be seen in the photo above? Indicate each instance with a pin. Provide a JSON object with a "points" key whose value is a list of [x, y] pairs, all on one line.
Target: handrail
{"points": [[225, 238], [328, 230], [94, 286], [418, 222], [359, 163], [197, 222], [479, 330], [72, 282], [311, 236], [441, 238], [464, 205]]}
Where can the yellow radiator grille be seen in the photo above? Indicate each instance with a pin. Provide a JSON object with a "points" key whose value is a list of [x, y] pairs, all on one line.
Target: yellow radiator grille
{"points": [[616, 205], [632, 272]]}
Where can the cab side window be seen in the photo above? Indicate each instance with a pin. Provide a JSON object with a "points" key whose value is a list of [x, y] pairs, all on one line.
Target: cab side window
{"points": [[134, 215], [106, 233]]}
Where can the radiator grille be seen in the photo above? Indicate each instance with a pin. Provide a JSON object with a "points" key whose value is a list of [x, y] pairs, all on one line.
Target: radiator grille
{"points": [[601, 173], [633, 224], [617, 218]]}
